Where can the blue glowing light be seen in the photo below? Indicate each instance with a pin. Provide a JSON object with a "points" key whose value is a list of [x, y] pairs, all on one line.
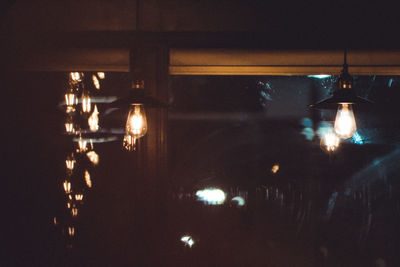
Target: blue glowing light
{"points": [[239, 200], [319, 76], [357, 139]]}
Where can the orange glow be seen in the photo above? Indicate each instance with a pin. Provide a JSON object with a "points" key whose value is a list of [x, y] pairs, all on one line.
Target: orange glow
{"points": [[78, 197], [93, 157], [101, 75], [67, 187], [136, 123], [71, 230], [129, 143], [68, 205], [86, 102], [74, 212], [55, 221], [70, 197], [75, 76], [96, 82], [93, 120], [82, 145], [70, 162], [87, 179], [275, 168]]}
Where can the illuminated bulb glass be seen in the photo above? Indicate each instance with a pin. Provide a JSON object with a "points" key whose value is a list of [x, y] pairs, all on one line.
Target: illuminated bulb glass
{"points": [[96, 82], [275, 168], [93, 120], [101, 75], [86, 103], [136, 123], [129, 143], [93, 157], [345, 123], [330, 141]]}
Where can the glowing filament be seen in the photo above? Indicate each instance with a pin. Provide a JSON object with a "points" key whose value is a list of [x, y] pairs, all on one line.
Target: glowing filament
{"points": [[68, 205], [71, 230], [93, 157], [136, 123], [93, 120], [70, 163], [96, 82], [87, 179], [129, 143], [75, 76], [330, 141], [78, 197], [82, 145], [345, 123], [71, 99], [69, 127], [55, 221], [86, 103], [70, 197], [101, 75], [67, 187], [74, 212]]}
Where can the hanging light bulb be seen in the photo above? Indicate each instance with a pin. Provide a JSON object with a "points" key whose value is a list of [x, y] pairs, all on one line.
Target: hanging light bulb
{"points": [[93, 120], [136, 123], [78, 197], [330, 141], [93, 157], [343, 100], [101, 75], [70, 100], [71, 230], [86, 102], [82, 145], [345, 123]]}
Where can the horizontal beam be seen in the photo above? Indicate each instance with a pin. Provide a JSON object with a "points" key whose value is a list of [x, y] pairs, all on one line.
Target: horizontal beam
{"points": [[258, 62]]}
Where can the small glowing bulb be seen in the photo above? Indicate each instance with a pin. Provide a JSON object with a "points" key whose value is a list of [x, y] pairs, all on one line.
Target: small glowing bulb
{"points": [[87, 179], [101, 75], [55, 221], [74, 212], [82, 145], [86, 105], [70, 162], [345, 123], [330, 141], [96, 82], [71, 231], [68, 205], [67, 187], [75, 76], [93, 157], [78, 197], [136, 123], [69, 127], [93, 120], [275, 168]]}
